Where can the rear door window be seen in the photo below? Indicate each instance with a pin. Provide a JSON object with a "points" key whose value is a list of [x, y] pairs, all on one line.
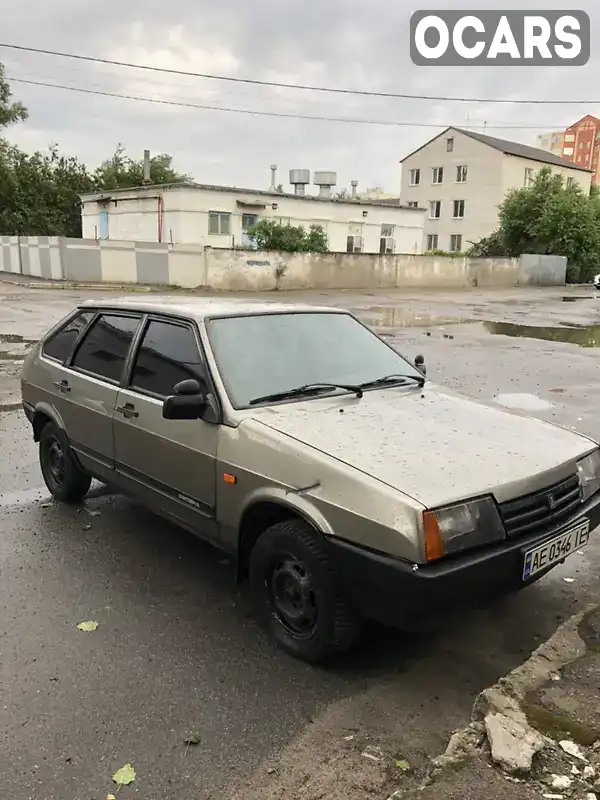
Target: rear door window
{"points": [[105, 347], [61, 344], [168, 354]]}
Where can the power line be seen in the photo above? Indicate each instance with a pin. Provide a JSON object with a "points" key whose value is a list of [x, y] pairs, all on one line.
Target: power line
{"points": [[254, 112], [279, 85]]}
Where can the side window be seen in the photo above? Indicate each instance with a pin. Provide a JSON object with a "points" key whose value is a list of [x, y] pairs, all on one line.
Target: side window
{"points": [[104, 349], [60, 345], [168, 354]]}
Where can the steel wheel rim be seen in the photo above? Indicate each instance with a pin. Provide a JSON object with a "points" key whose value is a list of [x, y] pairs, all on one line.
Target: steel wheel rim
{"points": [[293, 597], [55, 460]]}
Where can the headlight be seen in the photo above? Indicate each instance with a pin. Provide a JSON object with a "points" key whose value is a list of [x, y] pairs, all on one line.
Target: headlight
{"points": [[461, 527], [589, 474]]}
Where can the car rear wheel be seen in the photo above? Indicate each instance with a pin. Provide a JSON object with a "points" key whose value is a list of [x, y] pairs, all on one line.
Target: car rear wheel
{"points": [[63, 477], [296, 593]]}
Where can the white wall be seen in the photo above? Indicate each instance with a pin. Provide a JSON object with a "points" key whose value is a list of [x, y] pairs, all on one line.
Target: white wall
{"points": [[513, 173], [134, 216]]}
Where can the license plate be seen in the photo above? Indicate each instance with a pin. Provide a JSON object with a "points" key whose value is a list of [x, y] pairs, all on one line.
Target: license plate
{"points": [[555, 550]]}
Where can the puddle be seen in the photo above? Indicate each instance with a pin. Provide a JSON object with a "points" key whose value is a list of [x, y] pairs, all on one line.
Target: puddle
{"points": [[575, 298], [584, 336], [398, 317]]}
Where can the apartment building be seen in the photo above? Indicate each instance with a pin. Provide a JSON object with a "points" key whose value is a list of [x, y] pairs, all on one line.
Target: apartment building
{"points": [[461, 177], [552, 142], [581, 144]]}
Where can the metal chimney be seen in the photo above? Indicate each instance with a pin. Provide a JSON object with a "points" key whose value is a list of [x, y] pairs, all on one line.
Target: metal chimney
{"points": [[354, 185], [300, 178], [325, 181], [147, 177], [273, 177]]}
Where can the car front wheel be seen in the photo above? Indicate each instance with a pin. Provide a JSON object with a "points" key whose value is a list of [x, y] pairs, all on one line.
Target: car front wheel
{"points": [[63, 477], [297, 595]]}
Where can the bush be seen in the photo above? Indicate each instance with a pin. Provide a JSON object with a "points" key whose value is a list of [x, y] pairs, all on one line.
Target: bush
{"points": [[268, 234]]}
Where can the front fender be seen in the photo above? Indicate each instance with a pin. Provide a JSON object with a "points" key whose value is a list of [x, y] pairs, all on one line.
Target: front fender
{"points": [[294, 499]]}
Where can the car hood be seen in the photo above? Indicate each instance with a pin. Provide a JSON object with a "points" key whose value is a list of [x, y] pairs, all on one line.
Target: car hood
{"points": [[435, 445]]}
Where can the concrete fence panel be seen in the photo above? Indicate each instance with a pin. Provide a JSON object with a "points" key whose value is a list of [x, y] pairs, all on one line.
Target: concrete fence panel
{"points": [[82, 260], [10, 255], [195, 266], [543, 270], [41, 257]]}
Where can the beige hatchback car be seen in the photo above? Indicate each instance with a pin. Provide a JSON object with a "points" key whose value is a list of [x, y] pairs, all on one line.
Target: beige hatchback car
{"points": [[345, 486]]}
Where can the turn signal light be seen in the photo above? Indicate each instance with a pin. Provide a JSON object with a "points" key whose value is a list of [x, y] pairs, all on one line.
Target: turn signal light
{"points": [[434, 543]]}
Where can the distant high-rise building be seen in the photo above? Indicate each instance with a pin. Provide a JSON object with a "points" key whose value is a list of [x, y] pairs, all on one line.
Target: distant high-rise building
{"points": [[579, 144], [551, 142]]}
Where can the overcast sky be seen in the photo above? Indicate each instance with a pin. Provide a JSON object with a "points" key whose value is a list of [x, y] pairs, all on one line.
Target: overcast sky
{"points": [[339, 43]]}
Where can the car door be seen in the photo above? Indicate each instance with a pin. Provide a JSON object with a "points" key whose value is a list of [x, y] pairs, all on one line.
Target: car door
{"points": [[170, 463], [88, 384]]}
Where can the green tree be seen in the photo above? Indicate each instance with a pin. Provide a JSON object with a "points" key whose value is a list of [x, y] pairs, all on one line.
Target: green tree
{"points": [[549, 218], [39, 193], [269, 234], [10, 112], [122, 172]]}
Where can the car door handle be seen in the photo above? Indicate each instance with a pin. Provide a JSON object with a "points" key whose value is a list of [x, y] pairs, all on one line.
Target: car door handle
{"points": [[62, 386], [128, 410]]}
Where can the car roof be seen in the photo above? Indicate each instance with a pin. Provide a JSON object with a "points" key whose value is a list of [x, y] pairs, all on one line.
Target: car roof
{"points": [[201, 308]]}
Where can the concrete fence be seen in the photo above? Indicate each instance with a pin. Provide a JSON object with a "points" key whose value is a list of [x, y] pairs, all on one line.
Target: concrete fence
{"points": [[189, 266]]}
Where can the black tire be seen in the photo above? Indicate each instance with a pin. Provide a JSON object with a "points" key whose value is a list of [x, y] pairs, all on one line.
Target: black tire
{"points": [[65, 480], [296, 593]]}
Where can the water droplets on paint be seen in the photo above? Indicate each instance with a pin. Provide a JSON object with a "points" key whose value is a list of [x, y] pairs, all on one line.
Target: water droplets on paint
{"points": [[523, 402]]}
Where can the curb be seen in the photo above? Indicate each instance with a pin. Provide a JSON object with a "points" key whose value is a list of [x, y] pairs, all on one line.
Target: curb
{"points": [[563, 648], [97, 287]]}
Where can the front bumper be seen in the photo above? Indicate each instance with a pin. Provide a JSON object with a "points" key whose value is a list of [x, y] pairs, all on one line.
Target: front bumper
{"points": [[395, 593]]}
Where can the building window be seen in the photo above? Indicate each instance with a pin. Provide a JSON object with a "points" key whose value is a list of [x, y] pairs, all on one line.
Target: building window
{"points": [[570, 182], [570, 137], [354, 244], [528, 176], [387, 245], [413, 204], [415, 177], [449, 145], [435, 209], [459, 209], [587, 145], [456, 242], [437, 174], [567, 151], [461, 174], [432, 241], [219, 222]]}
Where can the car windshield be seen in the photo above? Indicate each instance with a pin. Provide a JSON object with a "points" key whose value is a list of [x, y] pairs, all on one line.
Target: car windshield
{"points": [[260, 355]]}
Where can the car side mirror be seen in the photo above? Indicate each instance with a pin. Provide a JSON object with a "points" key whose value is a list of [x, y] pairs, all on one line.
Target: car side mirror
{"points": [[420, 364], [188, 401]]}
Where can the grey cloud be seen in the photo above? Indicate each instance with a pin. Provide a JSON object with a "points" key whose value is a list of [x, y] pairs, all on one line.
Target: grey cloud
{"points": [[343, 43]]}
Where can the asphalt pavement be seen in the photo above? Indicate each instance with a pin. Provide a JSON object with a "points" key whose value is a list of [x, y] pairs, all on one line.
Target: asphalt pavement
{"points": [[176, 653]]}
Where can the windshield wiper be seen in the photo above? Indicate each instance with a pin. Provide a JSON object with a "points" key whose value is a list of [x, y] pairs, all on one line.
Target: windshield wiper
{"points": [[305, 391], [390, 379]]}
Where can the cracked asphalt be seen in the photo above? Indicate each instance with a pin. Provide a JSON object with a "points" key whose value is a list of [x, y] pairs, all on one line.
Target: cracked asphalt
{"points": [[177, 652]]}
